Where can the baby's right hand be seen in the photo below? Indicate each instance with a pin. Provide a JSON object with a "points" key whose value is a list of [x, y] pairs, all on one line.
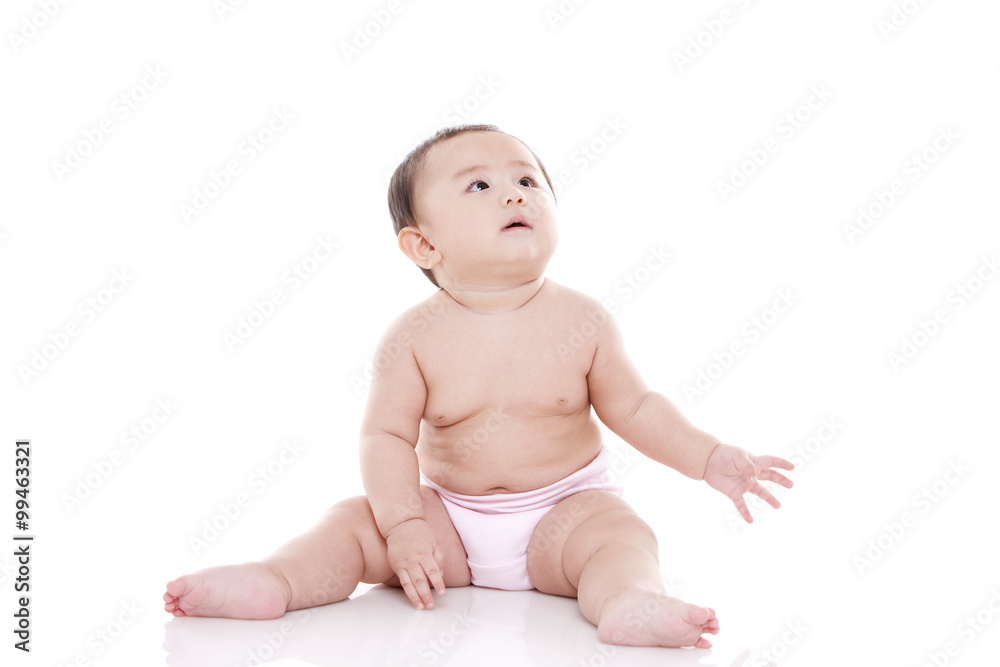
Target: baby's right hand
{"points": [[414, 557]]}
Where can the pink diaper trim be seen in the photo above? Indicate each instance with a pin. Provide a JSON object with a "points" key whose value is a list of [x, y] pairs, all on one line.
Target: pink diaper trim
{"points": [[496, 529]]}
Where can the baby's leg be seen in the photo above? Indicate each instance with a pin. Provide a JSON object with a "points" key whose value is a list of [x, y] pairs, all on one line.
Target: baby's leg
{"points": [[594, 547], [321, 566]]}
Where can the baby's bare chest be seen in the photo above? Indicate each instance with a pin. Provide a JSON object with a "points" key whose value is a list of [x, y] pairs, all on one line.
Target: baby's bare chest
{"points": [[536, 368]]}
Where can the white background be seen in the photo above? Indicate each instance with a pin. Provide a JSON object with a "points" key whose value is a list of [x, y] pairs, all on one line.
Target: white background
{"points": [[662, 134]]}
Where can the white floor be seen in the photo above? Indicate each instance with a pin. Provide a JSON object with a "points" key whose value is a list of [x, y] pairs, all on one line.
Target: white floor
{"points": [[788, 588], [789, 602], [470, 626]]}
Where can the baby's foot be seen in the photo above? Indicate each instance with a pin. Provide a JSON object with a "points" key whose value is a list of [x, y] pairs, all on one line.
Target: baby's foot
{"points": [[642, 618], [251, 591]]}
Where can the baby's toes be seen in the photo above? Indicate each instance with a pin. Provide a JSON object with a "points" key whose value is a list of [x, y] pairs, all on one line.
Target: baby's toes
{"points": [[700, 616]]}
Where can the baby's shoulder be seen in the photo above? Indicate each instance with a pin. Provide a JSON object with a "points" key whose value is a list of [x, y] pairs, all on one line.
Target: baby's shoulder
{"points": [[575, 302], [588, 318], [416, 319]]}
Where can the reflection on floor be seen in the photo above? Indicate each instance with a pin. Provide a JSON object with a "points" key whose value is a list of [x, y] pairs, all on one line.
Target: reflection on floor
{"points": [[469, 626]]}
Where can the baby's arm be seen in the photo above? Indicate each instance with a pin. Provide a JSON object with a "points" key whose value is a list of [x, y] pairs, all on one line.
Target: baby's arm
{"points": [[653, 425], [645, 419], [390, 472]]}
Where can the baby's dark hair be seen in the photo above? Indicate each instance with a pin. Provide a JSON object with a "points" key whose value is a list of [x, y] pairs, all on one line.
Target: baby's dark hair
{"points": [[403, 179]]}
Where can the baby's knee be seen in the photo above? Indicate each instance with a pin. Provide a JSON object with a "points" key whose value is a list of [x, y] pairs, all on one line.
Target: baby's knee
{"points": [[618, 526], [352, 505], [636, 526], [353, 512]]}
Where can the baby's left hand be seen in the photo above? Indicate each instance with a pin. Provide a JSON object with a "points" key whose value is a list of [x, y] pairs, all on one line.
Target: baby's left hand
{"points": [[734, 471]]}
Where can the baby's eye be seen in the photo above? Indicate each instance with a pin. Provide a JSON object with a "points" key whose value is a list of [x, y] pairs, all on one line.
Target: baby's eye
{"points": [[474, 186], [527, 182]]}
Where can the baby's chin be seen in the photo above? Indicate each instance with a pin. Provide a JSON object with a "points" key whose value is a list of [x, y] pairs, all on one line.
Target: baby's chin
{"points": [[509, 274]]}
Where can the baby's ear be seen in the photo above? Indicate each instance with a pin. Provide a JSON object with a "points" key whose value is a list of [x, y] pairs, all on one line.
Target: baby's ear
{"points": [[416, 246]]}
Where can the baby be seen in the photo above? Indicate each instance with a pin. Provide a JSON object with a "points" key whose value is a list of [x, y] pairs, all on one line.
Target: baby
{"points": [[480, 458]]}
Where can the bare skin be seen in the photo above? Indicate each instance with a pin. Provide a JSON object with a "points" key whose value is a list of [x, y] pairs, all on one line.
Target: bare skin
{"points": [[485, 389]]}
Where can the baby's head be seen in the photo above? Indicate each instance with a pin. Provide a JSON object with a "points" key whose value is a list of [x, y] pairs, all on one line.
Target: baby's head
{"points": [[453, 199]]}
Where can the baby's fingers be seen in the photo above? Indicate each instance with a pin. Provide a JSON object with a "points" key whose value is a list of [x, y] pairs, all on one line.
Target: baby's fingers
{"points": [[416, 588], [741, 507], [436, 574], [776, 477], [759, 491], [764, 462], [422, 577]]}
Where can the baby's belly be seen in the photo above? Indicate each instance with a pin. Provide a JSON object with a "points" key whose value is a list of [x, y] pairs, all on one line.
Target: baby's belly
{"points": [[501, 453]]}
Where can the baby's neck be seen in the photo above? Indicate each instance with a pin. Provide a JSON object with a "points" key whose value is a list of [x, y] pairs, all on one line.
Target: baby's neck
{"points": [[494, 299]]}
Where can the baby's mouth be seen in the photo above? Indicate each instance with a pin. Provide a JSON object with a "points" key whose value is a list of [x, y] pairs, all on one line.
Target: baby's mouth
{"points": [[516, 222]]}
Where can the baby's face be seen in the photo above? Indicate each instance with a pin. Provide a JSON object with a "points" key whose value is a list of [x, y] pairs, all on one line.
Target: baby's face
{"points": [[483, 203]]}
